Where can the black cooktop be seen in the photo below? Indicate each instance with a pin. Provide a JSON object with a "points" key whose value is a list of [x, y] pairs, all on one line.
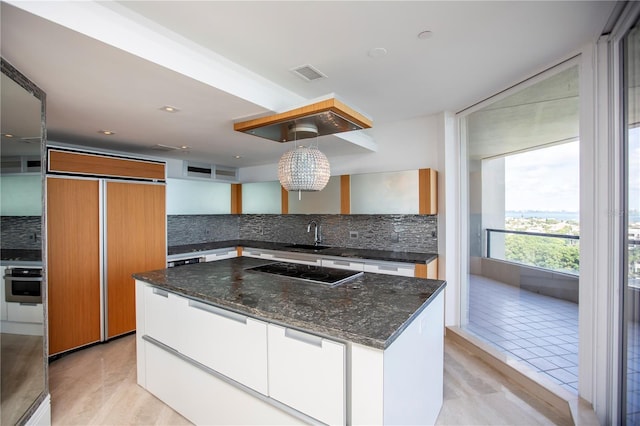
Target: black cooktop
{"points": [[318, 274]]}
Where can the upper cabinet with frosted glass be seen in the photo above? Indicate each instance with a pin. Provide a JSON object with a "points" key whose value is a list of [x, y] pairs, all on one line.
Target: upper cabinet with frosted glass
{"points": [[403, 192]]}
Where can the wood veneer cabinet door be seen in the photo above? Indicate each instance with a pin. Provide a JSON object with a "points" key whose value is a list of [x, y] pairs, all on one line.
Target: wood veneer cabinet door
{"points": [[73, 263], [136, 242]]}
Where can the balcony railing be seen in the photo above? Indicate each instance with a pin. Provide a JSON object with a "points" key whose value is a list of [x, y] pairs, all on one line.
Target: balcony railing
{"points": [[557, 252]]}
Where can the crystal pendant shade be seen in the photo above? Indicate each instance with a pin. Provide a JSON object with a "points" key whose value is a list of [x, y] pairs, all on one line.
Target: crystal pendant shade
{"points": [[303, 169]]}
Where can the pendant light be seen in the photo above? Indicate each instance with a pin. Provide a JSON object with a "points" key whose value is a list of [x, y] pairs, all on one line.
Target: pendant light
{"points": [[304, 168]]}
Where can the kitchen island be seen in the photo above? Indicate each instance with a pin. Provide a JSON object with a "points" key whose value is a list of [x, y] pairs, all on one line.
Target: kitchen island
{"points": [[222, 343]]}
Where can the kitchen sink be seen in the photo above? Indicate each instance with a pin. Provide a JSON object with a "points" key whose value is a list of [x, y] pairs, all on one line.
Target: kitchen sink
{"points": [[307, 246]]}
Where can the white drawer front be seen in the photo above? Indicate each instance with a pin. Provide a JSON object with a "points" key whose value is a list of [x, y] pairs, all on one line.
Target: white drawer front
{"points": [[343, 264], [226, 254], [307, 373], [401, 270], [162, 316], [25, 312], [229, 343]]}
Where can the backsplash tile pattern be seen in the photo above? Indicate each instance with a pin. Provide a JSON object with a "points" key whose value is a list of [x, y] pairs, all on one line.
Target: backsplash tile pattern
{"points": [[195, 229], [415, 233], [21, 232]]}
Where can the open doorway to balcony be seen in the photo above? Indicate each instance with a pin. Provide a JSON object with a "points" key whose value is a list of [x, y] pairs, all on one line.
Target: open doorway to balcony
{"points": [[523, 202]]}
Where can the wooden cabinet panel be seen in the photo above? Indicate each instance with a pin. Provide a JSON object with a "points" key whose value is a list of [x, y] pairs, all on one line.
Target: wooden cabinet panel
{"points": [[102, 165], [136, 242], [73, 263]]}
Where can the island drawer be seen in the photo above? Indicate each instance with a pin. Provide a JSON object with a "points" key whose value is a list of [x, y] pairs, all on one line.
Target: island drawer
{"points": [[307, 373], [162, 316], [231, 344]]}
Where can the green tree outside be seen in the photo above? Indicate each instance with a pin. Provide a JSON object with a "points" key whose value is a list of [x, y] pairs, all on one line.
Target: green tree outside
{"points": [[544, 252]]}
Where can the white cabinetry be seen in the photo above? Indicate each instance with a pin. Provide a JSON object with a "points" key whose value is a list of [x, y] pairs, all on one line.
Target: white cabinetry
{"points": [[283, 256], [390, 268], [229, 343], [25, 312], [343, 264], [307, 372], [225, 253], [163, 317]]}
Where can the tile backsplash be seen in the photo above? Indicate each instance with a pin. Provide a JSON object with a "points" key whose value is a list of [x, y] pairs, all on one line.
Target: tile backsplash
{"points": [[415, 233], [21, 232]]}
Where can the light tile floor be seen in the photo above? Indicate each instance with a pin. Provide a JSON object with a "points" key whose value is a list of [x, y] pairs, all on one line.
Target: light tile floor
{"points": [[538, 330], [633, 372]]}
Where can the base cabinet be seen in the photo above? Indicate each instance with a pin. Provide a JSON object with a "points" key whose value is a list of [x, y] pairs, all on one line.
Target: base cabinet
{"points": [[232, 344], [232, 369], [307, 372], [202, 398]]}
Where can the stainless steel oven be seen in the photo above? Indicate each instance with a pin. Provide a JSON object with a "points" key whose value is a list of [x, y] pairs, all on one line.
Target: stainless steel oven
{"points": [[23, 285]]}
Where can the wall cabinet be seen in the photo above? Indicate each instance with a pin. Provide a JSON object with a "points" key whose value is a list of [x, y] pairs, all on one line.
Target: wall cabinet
{"points": [[326, 201], [403, 192]]}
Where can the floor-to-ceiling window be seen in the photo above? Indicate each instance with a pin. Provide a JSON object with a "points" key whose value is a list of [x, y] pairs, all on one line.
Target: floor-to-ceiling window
{"points": [[630, 353], [523, 185]]}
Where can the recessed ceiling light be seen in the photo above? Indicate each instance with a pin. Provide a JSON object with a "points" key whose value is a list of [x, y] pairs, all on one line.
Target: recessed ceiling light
{"points": [[377, 52], [425, 34], [107, 132], [169, 108], [184, 147], [237, 157], [7, 135]]}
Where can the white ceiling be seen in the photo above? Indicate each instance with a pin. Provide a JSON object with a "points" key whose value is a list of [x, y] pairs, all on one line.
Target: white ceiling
{"points": [[112, 65]]}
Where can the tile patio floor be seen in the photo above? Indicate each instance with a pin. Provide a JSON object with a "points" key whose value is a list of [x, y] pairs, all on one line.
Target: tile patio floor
{"points": [[538, 330]]}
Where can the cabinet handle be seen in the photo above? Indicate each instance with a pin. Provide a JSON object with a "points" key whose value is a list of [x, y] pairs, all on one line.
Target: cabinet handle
{"points": [[160, 292], [303, 337], [341, 262], [28, 304], [217, 311], [388, 268]]}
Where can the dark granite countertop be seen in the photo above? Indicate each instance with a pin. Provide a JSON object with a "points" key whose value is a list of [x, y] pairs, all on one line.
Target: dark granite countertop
{"points": [[354, 253], [372, 309], [20, 257]]}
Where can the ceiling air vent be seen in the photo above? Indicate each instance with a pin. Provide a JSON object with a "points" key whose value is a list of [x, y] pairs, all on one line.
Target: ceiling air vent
{"points": [[209, 171], [198, 170], [308, 73]]}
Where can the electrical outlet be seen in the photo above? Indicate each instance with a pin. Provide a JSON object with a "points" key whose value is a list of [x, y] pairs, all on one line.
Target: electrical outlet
{"points": [[353, 234]]}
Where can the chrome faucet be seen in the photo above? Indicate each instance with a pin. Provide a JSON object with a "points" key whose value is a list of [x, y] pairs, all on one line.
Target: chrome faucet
{"points": [[317, 238]]}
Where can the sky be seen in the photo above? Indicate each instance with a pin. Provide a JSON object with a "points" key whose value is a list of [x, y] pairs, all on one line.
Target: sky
{"points": [[548, 179], [544, 180]]}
